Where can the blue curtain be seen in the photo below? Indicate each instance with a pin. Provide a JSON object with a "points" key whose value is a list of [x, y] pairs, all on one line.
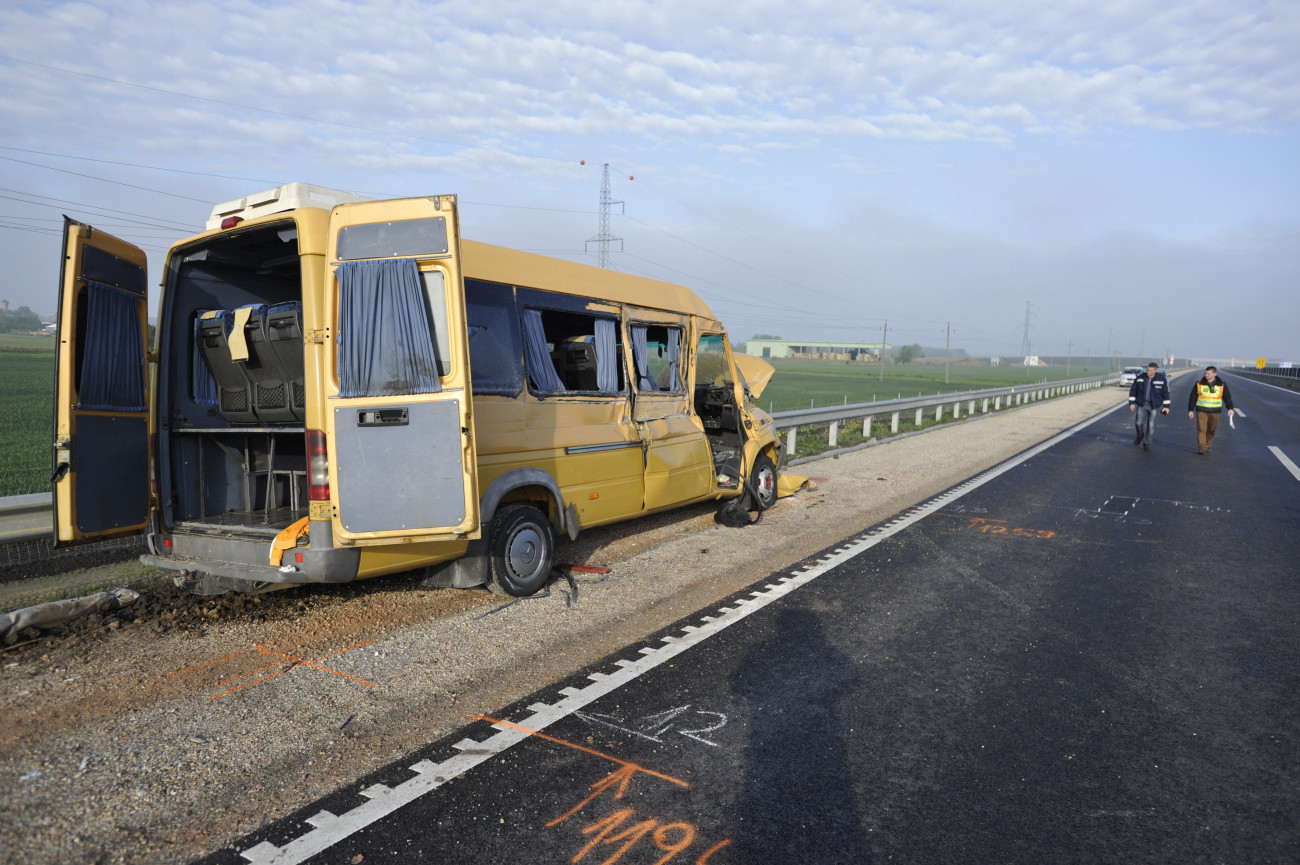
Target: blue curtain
{"points": [[674, 352], [204, 385], [541, 371], [385, 343], [606, 355], [112, 368], [644, 382]]}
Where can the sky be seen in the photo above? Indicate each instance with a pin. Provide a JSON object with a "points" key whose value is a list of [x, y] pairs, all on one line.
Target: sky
{"points": [[1095, 178]]}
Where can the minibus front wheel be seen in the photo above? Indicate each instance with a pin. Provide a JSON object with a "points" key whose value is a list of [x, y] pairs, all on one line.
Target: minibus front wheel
{"points": [[760, 488], [521, 551]]}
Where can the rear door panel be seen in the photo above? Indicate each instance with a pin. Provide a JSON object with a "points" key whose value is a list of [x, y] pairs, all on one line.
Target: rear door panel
{"points": [[101, 428], [402, 465]]}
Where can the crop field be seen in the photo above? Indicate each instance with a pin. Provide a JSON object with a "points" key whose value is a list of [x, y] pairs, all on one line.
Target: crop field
{"points": [[26, 414], [801, 383]]}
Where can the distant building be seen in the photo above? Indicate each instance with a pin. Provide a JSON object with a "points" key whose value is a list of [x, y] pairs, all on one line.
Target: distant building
{"points": [[863, 351]]}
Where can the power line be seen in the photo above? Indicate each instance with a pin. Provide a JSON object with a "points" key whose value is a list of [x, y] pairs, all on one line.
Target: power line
{"points": [[135, 165], [61, 202], [103, 179]]}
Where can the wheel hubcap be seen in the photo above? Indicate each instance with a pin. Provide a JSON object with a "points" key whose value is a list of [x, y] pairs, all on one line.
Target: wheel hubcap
{"points": [[525, 552]]}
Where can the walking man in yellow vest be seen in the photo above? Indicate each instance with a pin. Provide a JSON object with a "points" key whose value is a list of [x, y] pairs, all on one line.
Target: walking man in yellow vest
{"points": [[1206, 401]]}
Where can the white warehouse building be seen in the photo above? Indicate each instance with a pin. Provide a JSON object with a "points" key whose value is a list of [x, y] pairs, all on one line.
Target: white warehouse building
{"points": [[823, 350]]}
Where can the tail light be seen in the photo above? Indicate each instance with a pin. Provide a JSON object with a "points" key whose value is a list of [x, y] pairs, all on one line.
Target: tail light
{"points": [[318, 467]]}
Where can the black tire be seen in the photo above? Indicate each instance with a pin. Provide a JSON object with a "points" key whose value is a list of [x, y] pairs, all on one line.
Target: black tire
{"points": [[521, 550], [760, 486]]}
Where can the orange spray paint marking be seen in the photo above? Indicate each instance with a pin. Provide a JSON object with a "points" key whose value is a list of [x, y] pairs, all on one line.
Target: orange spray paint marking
{"points": [[288, 664], [990, 526], [714, 849], [204, 666], [672, 838], [624, 763], [620, 778]]}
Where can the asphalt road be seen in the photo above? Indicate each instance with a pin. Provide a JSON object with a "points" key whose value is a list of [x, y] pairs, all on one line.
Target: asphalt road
{"points": [[1090, 654]]}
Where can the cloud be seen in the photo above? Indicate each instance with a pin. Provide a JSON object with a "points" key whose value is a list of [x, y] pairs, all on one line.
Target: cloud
{"points": [[980, 131]]}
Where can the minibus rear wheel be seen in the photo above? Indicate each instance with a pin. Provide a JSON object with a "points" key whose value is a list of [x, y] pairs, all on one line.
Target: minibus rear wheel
{"points": [[521, 551]]}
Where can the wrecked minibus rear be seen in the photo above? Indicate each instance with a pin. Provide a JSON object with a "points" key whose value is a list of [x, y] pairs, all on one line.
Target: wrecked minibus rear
{"points": [[342, 388]]}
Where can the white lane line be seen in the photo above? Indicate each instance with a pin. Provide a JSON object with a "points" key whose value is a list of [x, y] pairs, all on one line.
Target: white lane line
{"points": [[1290, 466], [382, 800]]}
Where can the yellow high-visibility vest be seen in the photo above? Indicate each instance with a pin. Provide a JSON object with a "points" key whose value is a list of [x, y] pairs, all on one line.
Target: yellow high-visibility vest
{"points": [[1209, 396]]}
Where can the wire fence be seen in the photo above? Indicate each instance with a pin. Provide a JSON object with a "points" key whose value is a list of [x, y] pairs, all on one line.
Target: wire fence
{"points": [[43, 551]]}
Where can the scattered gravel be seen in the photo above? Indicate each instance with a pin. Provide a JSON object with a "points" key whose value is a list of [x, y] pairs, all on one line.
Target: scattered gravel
{"points": [[169, 729]]}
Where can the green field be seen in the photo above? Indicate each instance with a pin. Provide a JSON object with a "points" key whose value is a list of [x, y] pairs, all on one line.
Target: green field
{"points": [[26, 396], [801, 383]]}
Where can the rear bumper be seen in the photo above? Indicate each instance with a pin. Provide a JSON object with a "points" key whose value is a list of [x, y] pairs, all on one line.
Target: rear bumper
{"points": [[211, 565]]}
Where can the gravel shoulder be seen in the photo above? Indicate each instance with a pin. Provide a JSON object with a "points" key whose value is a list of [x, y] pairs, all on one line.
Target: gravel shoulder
{"points": [[171, 728]]}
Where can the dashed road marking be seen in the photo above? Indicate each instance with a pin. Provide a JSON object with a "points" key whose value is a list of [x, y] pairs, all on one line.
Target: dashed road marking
{"points": [[1290, 466]]}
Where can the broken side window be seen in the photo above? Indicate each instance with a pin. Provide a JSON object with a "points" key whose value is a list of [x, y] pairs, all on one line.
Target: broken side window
{"points": [[570, 352], [656, 350]]}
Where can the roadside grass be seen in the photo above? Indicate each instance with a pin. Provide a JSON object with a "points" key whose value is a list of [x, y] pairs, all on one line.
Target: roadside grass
{"points": [[130, 574], [813, 440]]}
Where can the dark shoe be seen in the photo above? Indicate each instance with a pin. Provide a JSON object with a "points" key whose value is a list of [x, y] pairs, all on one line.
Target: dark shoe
{"points": [[1200, 452], [1138, 440], [1146, 447]]}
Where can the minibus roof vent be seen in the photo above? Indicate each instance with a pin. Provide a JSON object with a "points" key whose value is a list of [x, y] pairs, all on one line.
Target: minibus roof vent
{"points": [[288, 196]]}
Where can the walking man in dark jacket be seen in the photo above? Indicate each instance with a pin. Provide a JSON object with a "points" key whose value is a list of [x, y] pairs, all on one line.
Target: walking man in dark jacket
{"points": [[1205, 403], [1148, 395]]}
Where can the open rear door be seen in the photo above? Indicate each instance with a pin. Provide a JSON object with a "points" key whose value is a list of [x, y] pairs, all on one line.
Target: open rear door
{"points": [[400, 429], [100, 471]]}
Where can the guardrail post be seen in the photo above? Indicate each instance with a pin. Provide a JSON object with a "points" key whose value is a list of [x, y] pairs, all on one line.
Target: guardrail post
{"points": [[893, 423], [790, 441], [970, 408], [956, 410], [938, 413], [866, 427], [835, 434], [920, 414], [997, 403]]}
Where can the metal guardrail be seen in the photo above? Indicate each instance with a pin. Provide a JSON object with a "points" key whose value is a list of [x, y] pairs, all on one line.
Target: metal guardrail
{"points": [[30, 518], [1278, 376], [26, 518], [790, 422]]}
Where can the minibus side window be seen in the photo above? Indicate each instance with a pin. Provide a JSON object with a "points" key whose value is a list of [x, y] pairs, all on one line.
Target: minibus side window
{"points": [[569, 352], [657, 350], [496, 353]]}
